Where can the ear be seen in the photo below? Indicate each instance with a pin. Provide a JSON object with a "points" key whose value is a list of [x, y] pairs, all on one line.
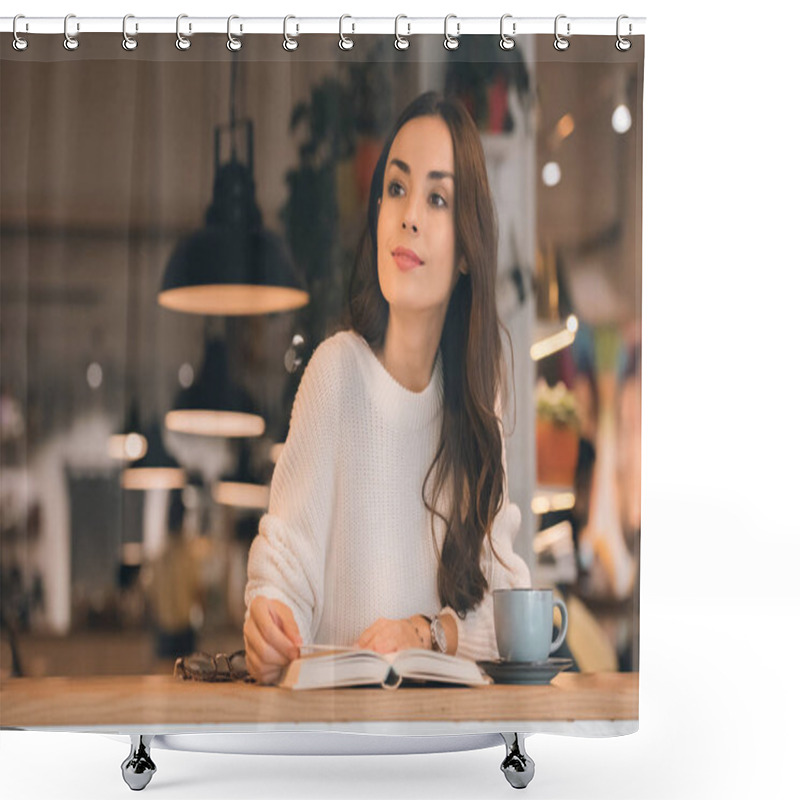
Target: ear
{"points": [[462, 266]]}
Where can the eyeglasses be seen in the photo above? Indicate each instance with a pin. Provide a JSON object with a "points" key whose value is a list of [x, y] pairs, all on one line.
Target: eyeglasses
{"points": [[218, 668]]}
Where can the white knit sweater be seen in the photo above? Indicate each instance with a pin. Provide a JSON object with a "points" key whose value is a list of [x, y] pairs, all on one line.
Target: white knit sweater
{"points": [[347, 538]]}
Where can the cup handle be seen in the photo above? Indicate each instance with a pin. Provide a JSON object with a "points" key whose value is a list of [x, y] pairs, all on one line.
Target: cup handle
{"points": [[562, 634]]}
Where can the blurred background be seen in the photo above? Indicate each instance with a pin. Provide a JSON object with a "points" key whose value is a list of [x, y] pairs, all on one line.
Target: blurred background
{"points": [[143, 402]]}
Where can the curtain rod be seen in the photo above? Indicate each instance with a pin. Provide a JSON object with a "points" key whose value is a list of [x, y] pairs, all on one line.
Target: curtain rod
{"points": [[349, 26]]}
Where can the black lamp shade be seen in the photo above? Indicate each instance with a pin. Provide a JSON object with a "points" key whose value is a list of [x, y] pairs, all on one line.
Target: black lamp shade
{"points": [[233, 266], [224, 271], [214, 405], [158, 469], [242, 488]]}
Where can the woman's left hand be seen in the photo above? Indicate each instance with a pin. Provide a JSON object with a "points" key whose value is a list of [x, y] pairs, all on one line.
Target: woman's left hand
{"points": [[389, 635]]}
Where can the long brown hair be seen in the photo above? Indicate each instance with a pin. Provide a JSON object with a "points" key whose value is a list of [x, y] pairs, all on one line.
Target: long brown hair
{"points": [[468, 460]]}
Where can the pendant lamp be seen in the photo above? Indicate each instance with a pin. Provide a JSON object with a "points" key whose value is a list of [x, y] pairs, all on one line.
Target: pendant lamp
{"points": [[157, 470], [233, 266], [128, 444], [242, 487], [213, 405]]}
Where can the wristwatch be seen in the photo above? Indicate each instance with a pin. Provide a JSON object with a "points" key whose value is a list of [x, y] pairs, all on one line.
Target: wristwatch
{"points": [[438, 634]]}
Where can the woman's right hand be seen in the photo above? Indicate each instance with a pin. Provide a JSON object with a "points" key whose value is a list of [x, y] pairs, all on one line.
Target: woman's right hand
{"points": [[271, 639]]}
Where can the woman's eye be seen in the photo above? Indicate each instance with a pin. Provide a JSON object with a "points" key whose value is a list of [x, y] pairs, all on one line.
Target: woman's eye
{"points": [[395, 189]]}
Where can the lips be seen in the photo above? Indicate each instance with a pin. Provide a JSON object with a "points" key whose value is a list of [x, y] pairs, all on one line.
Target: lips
{"points": [[406, 259]]}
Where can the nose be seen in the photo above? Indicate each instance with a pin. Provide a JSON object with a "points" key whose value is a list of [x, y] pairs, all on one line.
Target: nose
{"points": [[410, 214]]}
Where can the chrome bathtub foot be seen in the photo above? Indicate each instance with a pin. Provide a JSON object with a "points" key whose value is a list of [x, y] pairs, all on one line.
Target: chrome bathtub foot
{"points": [[138, 768], [517, 766]]}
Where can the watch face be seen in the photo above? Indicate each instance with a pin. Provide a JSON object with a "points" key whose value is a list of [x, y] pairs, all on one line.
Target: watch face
{"points": [[438, 636]]}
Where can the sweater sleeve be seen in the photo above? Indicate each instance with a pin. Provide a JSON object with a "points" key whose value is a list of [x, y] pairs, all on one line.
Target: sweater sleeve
{"points": [[287, 557], [476, 636]]}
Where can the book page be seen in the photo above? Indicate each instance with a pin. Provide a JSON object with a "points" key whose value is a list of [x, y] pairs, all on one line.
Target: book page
{"points": [[331, 669], [427, 665]]}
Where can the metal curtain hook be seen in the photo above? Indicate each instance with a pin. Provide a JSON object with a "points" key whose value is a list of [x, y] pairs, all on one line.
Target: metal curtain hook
{"points": [[234, 43], [70, 42], [450, 41], [19, 43], [506, 42], [344, 42], [128, 41], [561, 43], [623, 44], [400, 42], [182, 43], [289, 42]]}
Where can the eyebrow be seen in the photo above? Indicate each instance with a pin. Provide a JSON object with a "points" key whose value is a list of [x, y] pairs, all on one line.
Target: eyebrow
{"points": [[434, 174]]}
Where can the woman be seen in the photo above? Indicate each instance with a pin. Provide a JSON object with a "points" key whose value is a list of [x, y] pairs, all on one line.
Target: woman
{"points": [[389, 525]]}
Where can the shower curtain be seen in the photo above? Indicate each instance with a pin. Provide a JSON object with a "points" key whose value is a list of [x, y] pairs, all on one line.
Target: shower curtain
{"points": [[178, 233]]}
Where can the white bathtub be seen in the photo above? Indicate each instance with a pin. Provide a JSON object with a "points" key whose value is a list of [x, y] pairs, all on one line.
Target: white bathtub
{"points": [[356, 739]]}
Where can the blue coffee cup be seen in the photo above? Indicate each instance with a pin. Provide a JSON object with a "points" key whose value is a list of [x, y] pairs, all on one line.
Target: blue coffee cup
{"points": [[523, 623]]}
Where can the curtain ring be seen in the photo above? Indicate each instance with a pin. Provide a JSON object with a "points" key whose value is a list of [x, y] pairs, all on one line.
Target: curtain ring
{"points": [[561, 43], [234, 43], [182, 43], [623, 44], [128, 42], [344, 42], [70, 42], [400, 42], [19, 43], [506, 42], [451, 42], [289, 42]]}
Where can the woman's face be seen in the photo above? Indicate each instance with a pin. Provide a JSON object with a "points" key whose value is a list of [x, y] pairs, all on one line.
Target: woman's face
{"points": [[417, 267]]}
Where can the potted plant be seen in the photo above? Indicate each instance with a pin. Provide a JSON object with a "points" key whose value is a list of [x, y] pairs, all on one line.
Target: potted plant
{"points": [[371, 90], [343, 121], [482, 79], [557, 434]]}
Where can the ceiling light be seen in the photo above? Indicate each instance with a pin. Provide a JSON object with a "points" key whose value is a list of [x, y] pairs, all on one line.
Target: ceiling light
{"points": [[94, 375], [243, 487], [621, 119], [232, 266], [551, 173], [565, 126], [128, 444], [157, 470], [186, 375], [213, 405]]}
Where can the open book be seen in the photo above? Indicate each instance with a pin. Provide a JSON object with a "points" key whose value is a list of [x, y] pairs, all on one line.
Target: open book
{"points": [[325, 667]]}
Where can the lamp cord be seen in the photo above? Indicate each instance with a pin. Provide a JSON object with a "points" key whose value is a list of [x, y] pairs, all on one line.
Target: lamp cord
{"points": [[234, 70]]}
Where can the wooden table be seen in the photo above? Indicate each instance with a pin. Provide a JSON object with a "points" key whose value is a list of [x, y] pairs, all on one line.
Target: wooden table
{"points": [[158, 703]]}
